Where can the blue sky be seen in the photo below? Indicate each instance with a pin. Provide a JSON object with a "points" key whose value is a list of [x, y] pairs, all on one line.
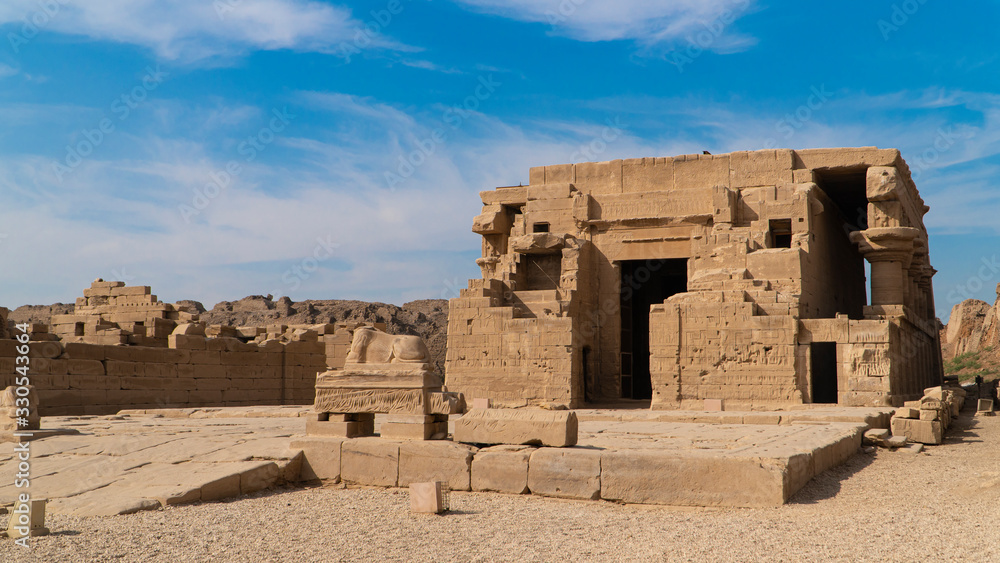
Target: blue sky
{"points": [[218, 148]]}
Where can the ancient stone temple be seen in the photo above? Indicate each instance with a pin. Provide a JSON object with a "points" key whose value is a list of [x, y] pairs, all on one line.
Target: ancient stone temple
{"points": [[738, 277]]}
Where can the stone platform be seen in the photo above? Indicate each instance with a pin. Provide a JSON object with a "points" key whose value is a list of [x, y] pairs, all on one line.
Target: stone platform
{"points": [[874, 417], [123, 464], [693, 464], [142, 460]]}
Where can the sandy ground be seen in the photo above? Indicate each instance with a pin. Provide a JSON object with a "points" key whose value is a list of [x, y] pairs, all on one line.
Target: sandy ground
{"points": [[939, 505]]}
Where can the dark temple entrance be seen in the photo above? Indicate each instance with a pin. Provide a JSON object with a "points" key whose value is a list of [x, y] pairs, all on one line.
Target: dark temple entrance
{"points": [[824, 372], [644, 283]]}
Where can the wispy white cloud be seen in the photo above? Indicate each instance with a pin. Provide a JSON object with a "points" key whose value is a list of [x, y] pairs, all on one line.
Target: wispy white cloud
{"points": [[428, 65], [411, 240], [395, 243], [193, 30], [650, 24], [7, 71]]}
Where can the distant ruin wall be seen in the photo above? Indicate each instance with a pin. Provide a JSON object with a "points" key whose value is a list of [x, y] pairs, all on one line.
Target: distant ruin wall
{"points": [[78, 378]]}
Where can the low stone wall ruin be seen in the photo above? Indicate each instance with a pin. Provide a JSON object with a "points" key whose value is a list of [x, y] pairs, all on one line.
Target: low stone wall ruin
{"points": [[78, 378]]}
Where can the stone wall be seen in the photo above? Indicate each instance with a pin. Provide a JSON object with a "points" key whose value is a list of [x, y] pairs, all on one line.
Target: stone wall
{"points": [[79, 378], [495, 355]]}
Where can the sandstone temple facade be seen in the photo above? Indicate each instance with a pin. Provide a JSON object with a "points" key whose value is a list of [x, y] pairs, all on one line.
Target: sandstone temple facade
{"points": [[739, 277]]}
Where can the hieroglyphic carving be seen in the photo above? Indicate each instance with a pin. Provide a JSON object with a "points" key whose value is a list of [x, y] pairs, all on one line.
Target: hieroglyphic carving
{"points": [[402, 401]]}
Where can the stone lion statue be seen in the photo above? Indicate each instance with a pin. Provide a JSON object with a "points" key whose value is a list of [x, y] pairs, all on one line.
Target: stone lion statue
{"points": [[372, 346]]}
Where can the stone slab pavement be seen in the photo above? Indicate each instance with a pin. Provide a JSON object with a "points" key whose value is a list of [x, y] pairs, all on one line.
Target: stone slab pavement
{"points": [[134, 461], [146, 459]]}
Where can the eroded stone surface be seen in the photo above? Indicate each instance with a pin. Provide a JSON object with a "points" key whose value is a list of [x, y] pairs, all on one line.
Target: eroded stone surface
{"points": [[517, 426], [565, 473], [124, 464], [435, 461], [503, 469]]}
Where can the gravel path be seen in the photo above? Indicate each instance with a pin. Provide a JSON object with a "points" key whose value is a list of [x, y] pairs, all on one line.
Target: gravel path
{"points": [[940, 505]]}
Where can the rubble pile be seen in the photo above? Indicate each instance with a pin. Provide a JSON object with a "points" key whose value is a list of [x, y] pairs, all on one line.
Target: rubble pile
{"points": [[926, 420]]}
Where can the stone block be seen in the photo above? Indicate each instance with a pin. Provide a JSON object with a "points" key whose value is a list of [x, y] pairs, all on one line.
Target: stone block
{"points": [[185, 342], [906, 412], [370, 461], [503, 469], [258, 478], [436, 461], [428, 498], [930, 415], [414, 430], [81, 351], [84, 367], [657, 477], [922, 431], [876, 436], [517, 426], [701, 171], [336, 429], [647, 175], [761, 168], [190, 329], [895, 442], [565, 473]]}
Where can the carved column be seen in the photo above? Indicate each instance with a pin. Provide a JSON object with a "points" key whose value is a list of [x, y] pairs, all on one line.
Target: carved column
{"points": [[890, 251], [924, 283]]}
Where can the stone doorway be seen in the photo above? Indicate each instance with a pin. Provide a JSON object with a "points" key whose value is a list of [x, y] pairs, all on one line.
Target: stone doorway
{"points": [[823, 366], [643, 283]]}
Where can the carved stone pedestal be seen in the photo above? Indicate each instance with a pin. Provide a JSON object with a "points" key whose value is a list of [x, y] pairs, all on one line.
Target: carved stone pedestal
{"points": [[372, 382]]}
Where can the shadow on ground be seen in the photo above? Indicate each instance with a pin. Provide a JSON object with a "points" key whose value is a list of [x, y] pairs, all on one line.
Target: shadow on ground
{"points": [[826, 485]]}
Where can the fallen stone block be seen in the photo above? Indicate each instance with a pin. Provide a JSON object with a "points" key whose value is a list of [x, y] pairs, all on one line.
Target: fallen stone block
{"points": [[912, 448], [436, 461], [876, 436], [517, 426], [930, 403], [930, 415], [985, 406], [370, 461], [906, 412], [264, 476], [923, 431], [565, 473], [934, 392], [896, 442], [503, 469]]}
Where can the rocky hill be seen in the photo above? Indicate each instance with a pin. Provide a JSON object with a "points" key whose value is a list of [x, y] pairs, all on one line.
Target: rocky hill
{"points": [[426, 318], [970, 342], [40, 313]]}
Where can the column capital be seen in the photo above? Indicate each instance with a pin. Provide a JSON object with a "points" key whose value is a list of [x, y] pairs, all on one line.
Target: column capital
{"points": [[887, 244]]}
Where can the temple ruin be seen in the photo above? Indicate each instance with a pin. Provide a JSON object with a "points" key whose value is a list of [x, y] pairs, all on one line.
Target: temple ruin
{"points": [[736, 278]]}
